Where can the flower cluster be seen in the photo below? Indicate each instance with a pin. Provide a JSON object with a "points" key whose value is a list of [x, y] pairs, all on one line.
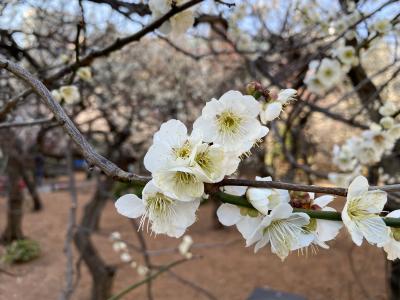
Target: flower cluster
{"points": [[181, 163], [368, 148], [272, 220]]}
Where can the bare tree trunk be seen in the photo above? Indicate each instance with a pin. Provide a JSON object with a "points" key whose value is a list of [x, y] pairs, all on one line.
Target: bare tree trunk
{"points": [[13, 230], [30, 184], [102, 274]]}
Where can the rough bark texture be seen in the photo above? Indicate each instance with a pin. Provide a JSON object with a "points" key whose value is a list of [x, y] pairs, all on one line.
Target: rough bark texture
{"points": [[13, 230]]}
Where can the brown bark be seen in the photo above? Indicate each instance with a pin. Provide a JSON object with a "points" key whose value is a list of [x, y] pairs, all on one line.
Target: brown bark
{"points": [[13, 230], [102, 274]]}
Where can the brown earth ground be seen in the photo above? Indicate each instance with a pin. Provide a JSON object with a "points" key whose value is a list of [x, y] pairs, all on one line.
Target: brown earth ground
{"points": [[230, 272]]}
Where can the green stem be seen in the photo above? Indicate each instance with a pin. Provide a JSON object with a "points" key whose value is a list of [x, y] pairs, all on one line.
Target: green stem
{"points": [[148, 278], [316, 214]]}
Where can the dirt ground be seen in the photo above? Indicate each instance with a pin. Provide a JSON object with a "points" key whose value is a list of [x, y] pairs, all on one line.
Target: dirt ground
{"points": [[230, 271]]}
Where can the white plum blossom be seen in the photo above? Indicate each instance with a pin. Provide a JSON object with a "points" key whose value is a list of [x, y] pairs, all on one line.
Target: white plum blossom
{"points": [[125, 257], [185, 245], [264, 199], [314, 84], [329, 72], [283, 229], [394, 132], [392, 245], [388, 109], [286, 95], [323, 230], [274, 106], [56, 95], [360, 214], [386, 122], [230, 121], [164, 212], [69, 93], [213, 162], [84, 73], [382, 26], [343, 157], [245, 219], [177, 24], [270, 111], [347, 55], [380, 139], [367, 152]]}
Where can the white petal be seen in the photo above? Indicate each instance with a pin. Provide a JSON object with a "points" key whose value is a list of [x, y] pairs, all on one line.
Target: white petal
{"points": [[172, 132], [323, 200], [281, 211], [247, 225], [394, 214], [374, 230], [228, 214], [357, 187], [130, 206], [235, 190], [259, 199], [375, 201]]}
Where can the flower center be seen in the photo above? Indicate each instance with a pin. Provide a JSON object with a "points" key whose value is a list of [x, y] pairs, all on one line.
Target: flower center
{"points": [[228, 122], [185, 178], [312, 226], [184, 151], [348, 54], [159, 203], [203, 159], [328, 73], [355, 211]]}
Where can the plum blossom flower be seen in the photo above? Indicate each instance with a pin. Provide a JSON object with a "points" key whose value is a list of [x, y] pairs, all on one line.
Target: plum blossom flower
{"points": [[274, 106], [394, 132], [329, 72], [286, 95], [386, 122], [245, 219], [69, 93], [392, 245], [379, 139], [265, 200], [84, 73], [164, 212], [323, 230], [168, 159], [347, 55], [314, 84], [230, 122], [343, 157], [185, 245], [388, 109], [382, 26], [367, 152], [179, 23], [270, 111], [283, 229], [360, 214], [213, 162], [56, 95]]}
